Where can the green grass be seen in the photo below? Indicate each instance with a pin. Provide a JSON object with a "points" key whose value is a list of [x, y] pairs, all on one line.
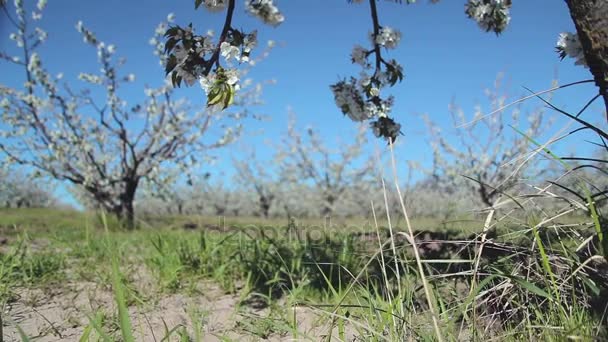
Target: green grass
{"points": [[359, 289]]}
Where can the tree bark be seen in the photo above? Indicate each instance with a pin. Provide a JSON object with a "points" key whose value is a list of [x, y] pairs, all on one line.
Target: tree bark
{"points": [[591, 20], [125, 210]]}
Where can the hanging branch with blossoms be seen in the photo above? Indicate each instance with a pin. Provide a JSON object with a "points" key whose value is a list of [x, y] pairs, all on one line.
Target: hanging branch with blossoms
{"points": [[360, 99], [192, 57]]}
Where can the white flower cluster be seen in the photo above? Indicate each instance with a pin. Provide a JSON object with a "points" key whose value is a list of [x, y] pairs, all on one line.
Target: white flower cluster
{"points": [[569, 45], [156, 42], [359, 56], [387, 37], [241, 50], [184, 68], [232, 78], [41, 34], [19, 10], [87, 36], [215, 5], [18, 38], [230, 51], [250, 41], [90, 78], [41, 4], [490, 15], [350, 99], [360, 99], [265, 10]]}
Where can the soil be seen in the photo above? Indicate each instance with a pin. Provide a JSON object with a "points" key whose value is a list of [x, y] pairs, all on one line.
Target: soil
{"points": [[62, 314]]}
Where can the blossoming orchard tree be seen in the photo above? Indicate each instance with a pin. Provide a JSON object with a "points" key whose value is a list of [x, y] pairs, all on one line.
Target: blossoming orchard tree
{"points": [[252, 174], [306, 160], [19, 191], [105, 147], [363, 98], [485, 162]]}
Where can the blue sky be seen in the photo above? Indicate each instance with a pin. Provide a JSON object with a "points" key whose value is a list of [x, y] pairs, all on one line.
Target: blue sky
{"points": [[444, 54]]}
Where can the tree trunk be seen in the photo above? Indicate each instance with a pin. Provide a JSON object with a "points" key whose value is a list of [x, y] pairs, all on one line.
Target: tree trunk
{"points": [[265, 202], [126, 212], [591, 20], [328, 206]]}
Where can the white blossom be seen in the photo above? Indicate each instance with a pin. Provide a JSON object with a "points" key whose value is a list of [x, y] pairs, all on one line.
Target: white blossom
{"points": [[41, 4], [232, 76], [359, 56], [42, 35], [250, 41], [490, 15], [349, 99], [265, 10], [215, 5], [569, 45], [230, 51], [90, 78], [387, 37]]}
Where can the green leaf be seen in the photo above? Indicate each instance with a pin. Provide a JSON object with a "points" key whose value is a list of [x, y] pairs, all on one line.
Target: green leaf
{"points": [[530, 287], [229, 96], [121, 302], [171, 64], [174, 79], [96, 323], [475, 291], [170, 44], [197, 3], [215, 95], [172, 31]]}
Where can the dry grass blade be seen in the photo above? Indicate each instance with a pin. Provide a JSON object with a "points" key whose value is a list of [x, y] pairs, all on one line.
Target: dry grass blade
{"points": [[411, 239], [522, 100]]}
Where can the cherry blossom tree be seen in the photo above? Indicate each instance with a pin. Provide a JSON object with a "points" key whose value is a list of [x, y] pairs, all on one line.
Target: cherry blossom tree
{"points": [[252, 174], [488, 157], [105, 147], [18, 190], [305, 158]]}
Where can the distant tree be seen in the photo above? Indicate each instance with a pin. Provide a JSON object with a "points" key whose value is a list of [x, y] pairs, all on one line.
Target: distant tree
{"points": [[331, 172], [487, 157], [19, 190], [252, 174], [104, 147], [223, 201]]}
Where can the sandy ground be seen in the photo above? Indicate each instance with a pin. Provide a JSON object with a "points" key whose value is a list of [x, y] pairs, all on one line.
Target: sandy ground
{"points": [[61, 314]]}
